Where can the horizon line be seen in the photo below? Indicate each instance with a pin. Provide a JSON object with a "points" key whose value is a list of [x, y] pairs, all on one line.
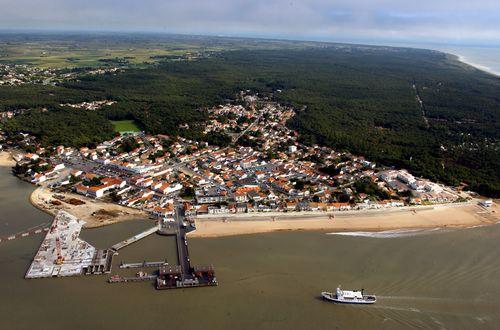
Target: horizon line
{"points": [[270, 37]]}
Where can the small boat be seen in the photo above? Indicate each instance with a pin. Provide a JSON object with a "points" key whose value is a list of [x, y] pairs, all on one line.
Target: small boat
{"points": [[115, 279], [141, 274], [349, 297]]}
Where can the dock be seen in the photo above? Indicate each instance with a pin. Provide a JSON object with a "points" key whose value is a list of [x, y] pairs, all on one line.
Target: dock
{"points": [[134, 238], [44, 227], [182, 275], [121, 279], [143, 264]]}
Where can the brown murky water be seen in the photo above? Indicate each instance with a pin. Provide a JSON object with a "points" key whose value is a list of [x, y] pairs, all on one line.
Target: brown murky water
{"points": [[272, 281]]}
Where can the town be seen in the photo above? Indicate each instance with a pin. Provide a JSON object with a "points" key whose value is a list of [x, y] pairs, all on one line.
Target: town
{"points": [[21, 74], [260, 166]]}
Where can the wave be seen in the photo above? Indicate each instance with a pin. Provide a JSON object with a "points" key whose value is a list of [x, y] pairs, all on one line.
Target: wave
{"points": [[387, 233]]}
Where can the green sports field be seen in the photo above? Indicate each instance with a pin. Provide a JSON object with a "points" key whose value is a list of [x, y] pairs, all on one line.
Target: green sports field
{"points": [[123, 126]]}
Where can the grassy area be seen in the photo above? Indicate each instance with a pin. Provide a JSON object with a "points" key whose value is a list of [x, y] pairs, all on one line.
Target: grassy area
{"points": [[123, 126], [75, 50]]}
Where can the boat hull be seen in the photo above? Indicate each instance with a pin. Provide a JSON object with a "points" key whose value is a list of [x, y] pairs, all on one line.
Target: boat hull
{"points": [[367, 300]]}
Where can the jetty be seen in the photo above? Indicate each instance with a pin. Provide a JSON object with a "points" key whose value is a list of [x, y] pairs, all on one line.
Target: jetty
{"points": [[182, 275], [135, 238], [44, 227], [137, 278], [143, 264]]}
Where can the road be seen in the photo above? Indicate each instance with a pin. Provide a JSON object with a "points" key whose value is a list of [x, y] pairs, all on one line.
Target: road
{"points": [[422, 105]]}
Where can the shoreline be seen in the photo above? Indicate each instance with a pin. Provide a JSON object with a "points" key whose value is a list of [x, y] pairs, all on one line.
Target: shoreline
{"points": [[6, 159], [480, 67], [94, 212], [462, 59], [457, 216], [97, 213]]}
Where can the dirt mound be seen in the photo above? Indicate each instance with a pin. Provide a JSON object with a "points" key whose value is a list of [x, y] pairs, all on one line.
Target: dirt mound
{"points": [[104, 214], [74, 201]]}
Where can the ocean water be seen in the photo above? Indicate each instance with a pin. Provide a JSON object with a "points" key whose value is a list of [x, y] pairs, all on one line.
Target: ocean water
{"points": [[484, 58], [427, 279]]}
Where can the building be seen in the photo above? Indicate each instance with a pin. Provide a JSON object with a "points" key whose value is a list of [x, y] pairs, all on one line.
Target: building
{"points": [[210, 195]]}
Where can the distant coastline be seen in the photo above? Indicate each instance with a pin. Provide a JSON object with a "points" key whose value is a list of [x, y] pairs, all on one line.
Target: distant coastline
{"points": [[481, 67]]}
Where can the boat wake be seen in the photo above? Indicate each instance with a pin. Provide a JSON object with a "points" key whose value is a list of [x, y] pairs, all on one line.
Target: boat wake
{"points": [[388, 233], [426, 299]]}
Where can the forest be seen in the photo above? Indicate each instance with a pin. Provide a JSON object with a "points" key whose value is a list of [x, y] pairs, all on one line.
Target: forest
{"points": [[356, 98]]}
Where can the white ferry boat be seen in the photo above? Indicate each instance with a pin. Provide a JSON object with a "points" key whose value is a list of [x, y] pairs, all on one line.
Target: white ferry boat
{"points": [[349, 297]]}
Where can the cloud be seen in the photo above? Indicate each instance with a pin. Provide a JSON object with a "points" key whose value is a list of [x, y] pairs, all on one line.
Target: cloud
{"points": [[431, 20]]}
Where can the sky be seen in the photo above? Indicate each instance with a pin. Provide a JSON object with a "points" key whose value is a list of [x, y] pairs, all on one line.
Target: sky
{"points": [[426, 21]]}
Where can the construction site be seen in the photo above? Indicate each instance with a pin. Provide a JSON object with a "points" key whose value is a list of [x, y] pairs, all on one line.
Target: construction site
{"points": [[63, 253]]}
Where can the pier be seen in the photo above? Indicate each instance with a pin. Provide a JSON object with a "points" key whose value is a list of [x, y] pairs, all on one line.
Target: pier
{"points": [[143, 264], [182, 275], [134, 239], [141, 278], [44, 227]]}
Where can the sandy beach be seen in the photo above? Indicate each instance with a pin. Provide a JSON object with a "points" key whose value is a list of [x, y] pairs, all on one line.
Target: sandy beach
{"points": [[6, 159], [484, 68], [94, 212], [456, 216]]}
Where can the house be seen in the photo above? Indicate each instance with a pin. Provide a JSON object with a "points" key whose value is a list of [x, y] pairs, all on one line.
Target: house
{"points": [[210, 195], [163, 212], [168, 188], [217, 210], [38, 178], [76, 173], [317, 206], [240, 197], [338, 206], [254, 195], [405, 177], [31, 157], [202, 209], [99, 191], [58, 167], [486, 203], [291, 206], [241, 207]]}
